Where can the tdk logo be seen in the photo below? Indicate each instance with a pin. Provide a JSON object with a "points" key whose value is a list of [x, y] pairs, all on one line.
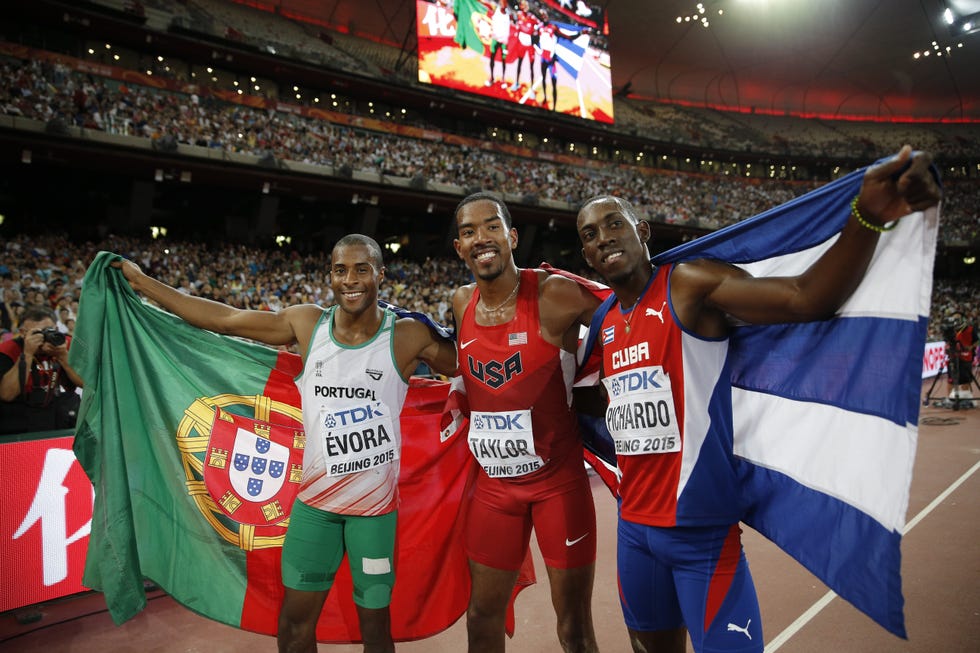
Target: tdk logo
{"points": [[354, 415], [498, 423], [638, 380]]}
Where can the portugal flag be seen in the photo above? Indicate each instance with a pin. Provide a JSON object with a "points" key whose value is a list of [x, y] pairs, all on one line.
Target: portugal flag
{"points": [[193, 442]]}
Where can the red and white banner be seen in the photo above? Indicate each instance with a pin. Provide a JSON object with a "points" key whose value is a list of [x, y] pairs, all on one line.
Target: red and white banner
{"points": [[934, 359], [45, 519]]}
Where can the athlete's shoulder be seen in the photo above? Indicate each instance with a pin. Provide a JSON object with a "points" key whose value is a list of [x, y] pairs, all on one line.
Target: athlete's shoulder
{"points": [[303, 311], [464, 293], [302, 317], [557, 288], [413, 330]]}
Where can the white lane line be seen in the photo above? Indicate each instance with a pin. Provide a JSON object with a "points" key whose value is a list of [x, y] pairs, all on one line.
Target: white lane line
{"points": [[814, 609]]}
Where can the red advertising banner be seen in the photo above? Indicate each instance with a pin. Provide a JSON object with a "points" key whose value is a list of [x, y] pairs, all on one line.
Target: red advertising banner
{"points": [[45, 519]]}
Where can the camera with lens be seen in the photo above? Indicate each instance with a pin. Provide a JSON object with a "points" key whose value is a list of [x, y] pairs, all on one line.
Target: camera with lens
{"points": [[949, 332], [52, 336]]}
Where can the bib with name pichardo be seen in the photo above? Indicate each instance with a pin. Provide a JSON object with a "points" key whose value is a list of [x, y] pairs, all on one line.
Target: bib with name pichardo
{"points": [[352, 399], [518, 387], [669, 414]]}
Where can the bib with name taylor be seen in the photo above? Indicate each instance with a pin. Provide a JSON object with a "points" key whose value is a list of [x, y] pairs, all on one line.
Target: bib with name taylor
{"points": [[518, 386]]}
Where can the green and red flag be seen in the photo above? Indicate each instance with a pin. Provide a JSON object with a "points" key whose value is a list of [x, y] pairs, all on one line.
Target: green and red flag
{"points": [[471, 20], [170, 412]]}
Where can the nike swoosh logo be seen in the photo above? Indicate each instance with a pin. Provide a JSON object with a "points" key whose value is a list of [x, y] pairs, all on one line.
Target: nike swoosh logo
{"points": [[466, 344], [569, 542]]}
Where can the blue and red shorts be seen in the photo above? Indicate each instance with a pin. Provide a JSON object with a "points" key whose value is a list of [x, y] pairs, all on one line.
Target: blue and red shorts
{"points": [[693, 577]]}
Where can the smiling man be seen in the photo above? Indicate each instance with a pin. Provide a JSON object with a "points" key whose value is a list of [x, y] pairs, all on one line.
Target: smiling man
{"points": [[517, 332], [665, 367], [357, 358]]}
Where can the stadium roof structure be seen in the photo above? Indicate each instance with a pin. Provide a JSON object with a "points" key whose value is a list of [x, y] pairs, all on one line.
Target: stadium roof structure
{"points": [[835, 59]]}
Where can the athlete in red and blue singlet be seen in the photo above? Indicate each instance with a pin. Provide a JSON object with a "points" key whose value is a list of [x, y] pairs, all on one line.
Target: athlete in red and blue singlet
{"points": [[665, 369], [679, 549]]}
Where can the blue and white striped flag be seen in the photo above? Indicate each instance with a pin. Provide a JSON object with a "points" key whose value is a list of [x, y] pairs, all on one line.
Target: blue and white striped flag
{"points": [[826, 413], [571, 47]]}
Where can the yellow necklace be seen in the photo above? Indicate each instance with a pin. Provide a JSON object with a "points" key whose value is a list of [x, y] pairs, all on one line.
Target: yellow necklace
{"points": [[628, 316]]}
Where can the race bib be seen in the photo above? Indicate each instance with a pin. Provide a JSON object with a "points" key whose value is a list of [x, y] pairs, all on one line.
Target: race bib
{"points": [[357, 438], [641, 418], [503, 443]]}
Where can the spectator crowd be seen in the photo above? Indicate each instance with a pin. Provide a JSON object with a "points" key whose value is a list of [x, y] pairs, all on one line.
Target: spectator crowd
{"points": [[53, 92], [49, 271]]}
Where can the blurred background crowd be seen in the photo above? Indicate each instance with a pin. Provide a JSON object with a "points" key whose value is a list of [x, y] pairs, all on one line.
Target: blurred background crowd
{"points": [[49, 271], [689, 170]]}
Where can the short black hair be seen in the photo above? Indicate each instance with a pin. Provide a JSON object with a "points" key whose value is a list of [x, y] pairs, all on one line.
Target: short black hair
{"points": [[370, 243], [37, 313], [624, 205], [490, 197]]}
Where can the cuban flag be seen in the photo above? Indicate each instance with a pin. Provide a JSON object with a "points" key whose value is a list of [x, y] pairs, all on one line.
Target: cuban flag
{"points": [[826, 413], [571, 47]]}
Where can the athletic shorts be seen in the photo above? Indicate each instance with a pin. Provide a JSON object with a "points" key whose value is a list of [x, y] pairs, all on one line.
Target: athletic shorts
{"points": [[695, 577], [315, 545], [556, 500]]}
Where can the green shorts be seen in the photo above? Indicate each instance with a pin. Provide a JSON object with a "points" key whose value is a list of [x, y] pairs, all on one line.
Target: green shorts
{"points": [[315, 545]]}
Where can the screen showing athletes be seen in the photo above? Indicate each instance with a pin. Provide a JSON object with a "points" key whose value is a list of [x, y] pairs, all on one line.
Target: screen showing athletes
{"points": [[551, 54]]}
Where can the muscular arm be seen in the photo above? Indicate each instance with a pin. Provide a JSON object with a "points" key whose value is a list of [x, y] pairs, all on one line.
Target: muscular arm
{"points": [[703, 291], [263, 326], [563, 306], [415, 341]]}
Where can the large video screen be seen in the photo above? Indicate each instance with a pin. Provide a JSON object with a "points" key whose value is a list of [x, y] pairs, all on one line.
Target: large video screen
{"points": [[551, 54]]}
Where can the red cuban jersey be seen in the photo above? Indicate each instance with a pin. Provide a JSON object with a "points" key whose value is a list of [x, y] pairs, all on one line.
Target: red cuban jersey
{"points": [[669, 414], [509, 370]]}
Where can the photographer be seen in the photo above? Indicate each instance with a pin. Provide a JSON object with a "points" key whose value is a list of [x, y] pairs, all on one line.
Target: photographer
{"points": [[37, 386], [961, 342]]}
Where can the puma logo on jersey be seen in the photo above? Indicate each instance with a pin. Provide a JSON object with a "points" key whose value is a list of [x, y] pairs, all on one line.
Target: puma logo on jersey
{"points": [[659, 313], [736, 627]]}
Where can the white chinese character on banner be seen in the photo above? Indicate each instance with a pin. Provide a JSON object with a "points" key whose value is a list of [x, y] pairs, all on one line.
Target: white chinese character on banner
{"points": [[49, 507]]}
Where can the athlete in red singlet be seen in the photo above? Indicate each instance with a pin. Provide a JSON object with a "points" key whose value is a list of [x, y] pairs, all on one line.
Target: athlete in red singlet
{"points": [[517, 334], [521, 43]]}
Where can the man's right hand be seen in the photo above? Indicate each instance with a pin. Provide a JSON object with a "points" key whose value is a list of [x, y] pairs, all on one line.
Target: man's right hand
{"points": [[32, 343], [131, 272]]}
